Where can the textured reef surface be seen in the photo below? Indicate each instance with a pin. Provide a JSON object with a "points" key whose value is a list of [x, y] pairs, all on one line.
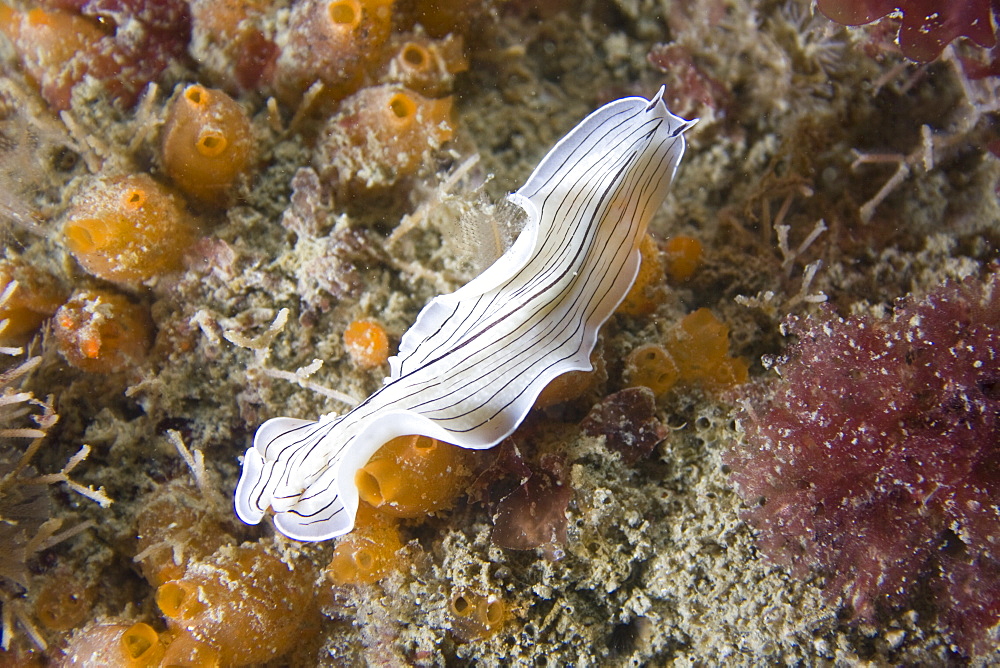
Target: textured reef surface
{"points": [[218, 212]]}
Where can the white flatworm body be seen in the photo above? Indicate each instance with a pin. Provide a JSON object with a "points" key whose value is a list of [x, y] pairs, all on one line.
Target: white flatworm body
{"points": [[472, 365]]}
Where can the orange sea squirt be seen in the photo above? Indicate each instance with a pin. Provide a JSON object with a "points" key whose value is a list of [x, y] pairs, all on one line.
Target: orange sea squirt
{"points": [[475, 616], [367, 344], [647, 290], [683, 257], [128, 229], [368, 553], [57, 49], [696, 352], [208, 142], [331, 42], [115, 645], [244, 601], [425, 65], [382, 134], [102, 331], [27, 297], [411, 476]]}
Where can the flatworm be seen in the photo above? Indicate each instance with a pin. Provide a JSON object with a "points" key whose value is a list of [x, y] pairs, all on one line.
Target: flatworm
{"points": [[472, 365]]}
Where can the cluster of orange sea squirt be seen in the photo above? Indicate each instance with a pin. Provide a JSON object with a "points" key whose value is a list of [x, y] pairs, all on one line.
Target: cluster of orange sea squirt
{"points": [[385, 76]]}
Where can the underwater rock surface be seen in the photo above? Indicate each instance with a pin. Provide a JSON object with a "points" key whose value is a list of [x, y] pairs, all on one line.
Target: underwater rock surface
{"points": [[828, 178]]}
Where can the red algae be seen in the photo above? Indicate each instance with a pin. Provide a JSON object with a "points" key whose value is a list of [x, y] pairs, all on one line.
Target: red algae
{"points": [[627, 419], [533, 515], [928, 26], [874, 459]]}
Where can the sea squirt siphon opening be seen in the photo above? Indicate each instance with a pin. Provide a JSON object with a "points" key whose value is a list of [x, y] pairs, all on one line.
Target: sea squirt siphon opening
{"points": [[345, 13]]}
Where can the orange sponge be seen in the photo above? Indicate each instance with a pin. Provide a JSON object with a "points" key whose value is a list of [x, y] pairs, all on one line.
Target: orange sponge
{"points": [[128, 229], [411, 476], [208, 143]]}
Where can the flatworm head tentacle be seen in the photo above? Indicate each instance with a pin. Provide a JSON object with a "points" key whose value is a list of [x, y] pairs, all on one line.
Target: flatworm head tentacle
{"points": [[472, 365]]}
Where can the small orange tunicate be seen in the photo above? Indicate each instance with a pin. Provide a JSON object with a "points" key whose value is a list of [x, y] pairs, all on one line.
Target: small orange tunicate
{"points": [[653, 367], [426, 65], [115, 645], [173, 528], [382, 134], [367, 344], [128, 230], [411, 476], [368, 553], [647, 290], [474, 615], [57, 49], [683, 257], [695, 352], [333, 42], [186, 651], [102, 331], [699, 344], [700, 347], [233, 42], [244, 601], [64, 601], [208, 143], [27, 297]]}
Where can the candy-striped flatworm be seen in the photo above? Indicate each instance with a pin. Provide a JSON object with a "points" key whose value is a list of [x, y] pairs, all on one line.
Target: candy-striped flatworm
{"points": [[472, 365]]}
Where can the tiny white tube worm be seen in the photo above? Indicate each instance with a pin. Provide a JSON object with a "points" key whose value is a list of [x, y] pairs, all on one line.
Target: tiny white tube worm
{"points": [[472, 365]]}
